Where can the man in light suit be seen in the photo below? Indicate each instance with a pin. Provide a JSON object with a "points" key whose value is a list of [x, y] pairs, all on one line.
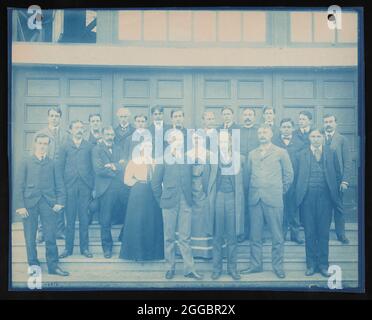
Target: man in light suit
{"points": [[108, 184], [39, 192], [317, 191], [270, 176], [57, 136], [339, 143], [172, 187], [74, 160]]}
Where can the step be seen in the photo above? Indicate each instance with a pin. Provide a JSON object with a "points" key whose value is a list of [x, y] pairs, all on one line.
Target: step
{"points": [[87, 278], [243, 250]]}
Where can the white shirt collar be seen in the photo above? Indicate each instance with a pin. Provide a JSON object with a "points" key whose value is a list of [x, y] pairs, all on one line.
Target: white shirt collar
{"points": [[313, 148]]}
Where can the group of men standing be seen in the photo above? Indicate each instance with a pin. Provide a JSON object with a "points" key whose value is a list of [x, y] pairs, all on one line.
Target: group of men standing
{"points": [[286, 178]]}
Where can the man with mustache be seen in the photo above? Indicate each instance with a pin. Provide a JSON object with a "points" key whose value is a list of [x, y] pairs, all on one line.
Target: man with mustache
{"points": [[339, 143], [74, 161], [270, 175], [248, 142], [108, 184]]}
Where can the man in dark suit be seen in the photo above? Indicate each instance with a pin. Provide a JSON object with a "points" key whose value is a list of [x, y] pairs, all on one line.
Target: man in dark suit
{"points": [[95, 127], [158, 129], [228, 119], [74, 160], [123, 131], [108, 185], [39, 191], [57, 136], [317, 191], [229, 208], [268, 115], [248, 142], [270, 175], [304, 127], [287, 140], [172, 187], [339, 143]]}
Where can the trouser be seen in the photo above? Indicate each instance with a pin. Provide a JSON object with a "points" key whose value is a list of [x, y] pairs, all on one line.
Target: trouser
{"points": [[274, 218], [48, 220], [317, 214], [225, 230], [339, 217], [116, 193], [178, 219], [60, 225], [247, 217], [291, 219], [78, 198]]}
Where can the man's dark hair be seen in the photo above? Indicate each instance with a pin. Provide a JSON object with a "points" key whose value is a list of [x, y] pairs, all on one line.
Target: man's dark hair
{"points": [[176, 110], [307, 114], [328, 115], [227, 108], [287, 120], [140, 116], [56, 109], [75, 121], [157, 108], [268, 108], [94, 115]]}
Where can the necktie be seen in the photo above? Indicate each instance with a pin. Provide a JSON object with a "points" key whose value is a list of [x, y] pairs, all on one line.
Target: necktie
{"points": [[328, 139], [317, 154]]}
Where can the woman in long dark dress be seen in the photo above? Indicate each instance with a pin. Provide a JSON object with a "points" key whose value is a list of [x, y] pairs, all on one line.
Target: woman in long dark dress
{"points": [[142, 236]]}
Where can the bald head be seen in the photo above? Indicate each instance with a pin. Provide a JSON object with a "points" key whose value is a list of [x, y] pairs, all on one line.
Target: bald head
{"points": [[123, 115]]}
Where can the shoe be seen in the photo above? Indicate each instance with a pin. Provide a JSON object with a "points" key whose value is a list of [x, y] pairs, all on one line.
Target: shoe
{"points": [[107, 254], [61, 236], [59, 272], [324, 272], [280, 274], [297, 239], [65, 254], [87, 253], [194, 275], [309, 272], [216, 275], [343, 239], [250, 270], [170, 274], [234, 275]]}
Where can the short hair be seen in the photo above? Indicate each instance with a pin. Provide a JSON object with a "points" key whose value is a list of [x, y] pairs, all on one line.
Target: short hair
{"points": [[321, 131], [176, 110], [307, 114], [287, 120], [41, 135], [249, 108], [159, 108], [94, 115], [75, 121], [56, 109], [206, 112], [268, 108], [227, 108], [328, 115], [265, 126], [106, 128], [140, 116]]}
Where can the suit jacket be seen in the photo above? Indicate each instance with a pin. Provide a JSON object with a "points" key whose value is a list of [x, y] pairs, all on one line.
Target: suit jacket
{"points": [[105, 176], [303, 138], [55, 141], [169, 181], [166, 127], [121, 139], [340, 145], [92, 139], [76, 162], [332, 174], [37, 179], [239, 199], [269, 176]]}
